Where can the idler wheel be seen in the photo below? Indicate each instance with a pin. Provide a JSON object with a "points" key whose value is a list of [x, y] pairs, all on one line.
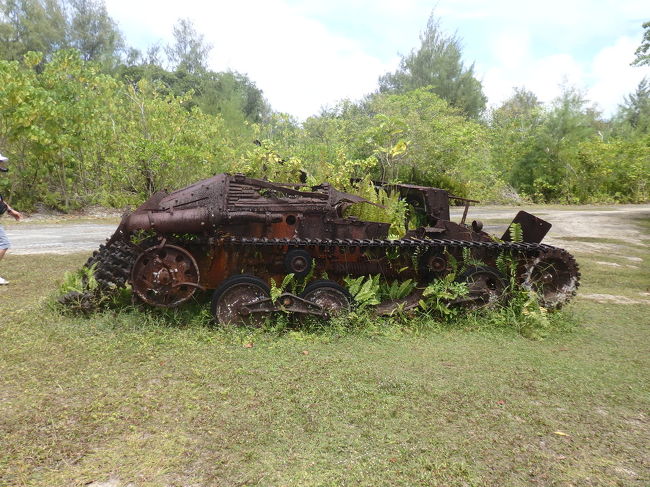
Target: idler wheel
{"points": [[165, 276], [229, 300], [330, 296], [554, 276]]}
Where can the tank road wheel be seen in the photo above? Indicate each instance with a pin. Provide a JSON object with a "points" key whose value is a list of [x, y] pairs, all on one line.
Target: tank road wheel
{"points": [[330, 296], [554, 276], [165, 276], [229, 300], [486, 285]]}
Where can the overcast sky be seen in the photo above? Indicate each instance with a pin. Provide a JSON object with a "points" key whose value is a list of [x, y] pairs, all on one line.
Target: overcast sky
{"points": [[311, 53]]}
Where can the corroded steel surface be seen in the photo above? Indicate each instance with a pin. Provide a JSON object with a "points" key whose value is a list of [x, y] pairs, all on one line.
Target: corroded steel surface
{"points": [[165, 276], [235, 234]]}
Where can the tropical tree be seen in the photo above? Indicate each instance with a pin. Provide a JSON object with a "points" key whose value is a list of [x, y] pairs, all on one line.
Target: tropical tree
{"points": [[50, 25], [514, 128], [437, 64], [31, 25], [190, 50], [549, 169], [440, 146], [635, 110], [93, 32], [77, 136], [643, 51]]}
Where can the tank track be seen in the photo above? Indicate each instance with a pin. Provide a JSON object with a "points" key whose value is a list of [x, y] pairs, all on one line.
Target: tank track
{"points": [[534, 254], [424, 244], [113, 262]]}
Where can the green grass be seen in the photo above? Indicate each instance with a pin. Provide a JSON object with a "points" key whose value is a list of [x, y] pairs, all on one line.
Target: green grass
{"points": [[126, 396]]}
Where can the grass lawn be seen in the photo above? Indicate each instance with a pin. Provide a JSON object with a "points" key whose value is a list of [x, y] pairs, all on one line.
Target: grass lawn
{"points": [[122, 399]]}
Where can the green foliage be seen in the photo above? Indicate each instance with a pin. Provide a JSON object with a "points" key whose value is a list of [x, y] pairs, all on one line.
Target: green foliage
{"points": [[516, 233], [386, 137], [139, 141], [105, 124], [467, 261], [412, 137], [397, 289], [80, 281], [140, 236], [51, 25], [189, 51], [507, 266], [79, 293], [387, 208], [444, 149], [634, 115], [277, 291], [264, 161], [438, 294], [567, 153], [366, 290], [643, 51]]}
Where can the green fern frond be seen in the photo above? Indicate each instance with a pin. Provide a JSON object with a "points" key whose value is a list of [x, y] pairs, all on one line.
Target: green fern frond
{"points": [[516, 233]]}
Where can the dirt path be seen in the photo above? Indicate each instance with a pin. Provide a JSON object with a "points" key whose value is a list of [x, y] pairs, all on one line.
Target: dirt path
{"points": [[571, 226], [574, 228]]}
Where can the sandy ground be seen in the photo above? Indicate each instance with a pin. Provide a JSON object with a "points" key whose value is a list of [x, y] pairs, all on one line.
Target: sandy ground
{"points": [[611, 222], [36, 236]]}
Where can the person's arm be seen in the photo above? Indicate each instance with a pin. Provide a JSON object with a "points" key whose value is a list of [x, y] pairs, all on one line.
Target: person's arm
{"points": [[16, 214]]}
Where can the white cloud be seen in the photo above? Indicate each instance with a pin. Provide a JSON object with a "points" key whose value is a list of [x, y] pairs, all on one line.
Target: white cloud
{"points": [[298, 63], [612, 77], [308, 54], [608, 77], [546, 75]]}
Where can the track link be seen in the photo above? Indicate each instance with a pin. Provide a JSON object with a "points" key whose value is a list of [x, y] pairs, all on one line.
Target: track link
{"points": [[113, 263]]}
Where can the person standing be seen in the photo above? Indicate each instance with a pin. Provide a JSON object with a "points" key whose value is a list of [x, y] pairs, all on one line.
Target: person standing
{"points": [[5, 208]]}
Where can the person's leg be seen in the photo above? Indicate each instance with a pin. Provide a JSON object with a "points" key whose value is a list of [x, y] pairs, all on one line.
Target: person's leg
{"points": [[4, 245]]}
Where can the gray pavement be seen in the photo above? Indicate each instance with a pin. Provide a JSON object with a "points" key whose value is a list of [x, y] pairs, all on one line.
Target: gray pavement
{"points": [[59, 238]]}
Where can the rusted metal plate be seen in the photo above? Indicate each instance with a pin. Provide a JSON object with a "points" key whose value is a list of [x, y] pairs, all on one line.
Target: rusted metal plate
{"points": [[534, 229]]}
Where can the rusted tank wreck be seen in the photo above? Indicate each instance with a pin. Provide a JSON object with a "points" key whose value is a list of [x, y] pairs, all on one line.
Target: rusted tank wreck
{"points": [[231, 235]]}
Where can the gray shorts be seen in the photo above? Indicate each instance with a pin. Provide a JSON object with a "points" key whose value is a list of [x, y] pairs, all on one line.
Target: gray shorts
{"points": [[4, 240]]}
